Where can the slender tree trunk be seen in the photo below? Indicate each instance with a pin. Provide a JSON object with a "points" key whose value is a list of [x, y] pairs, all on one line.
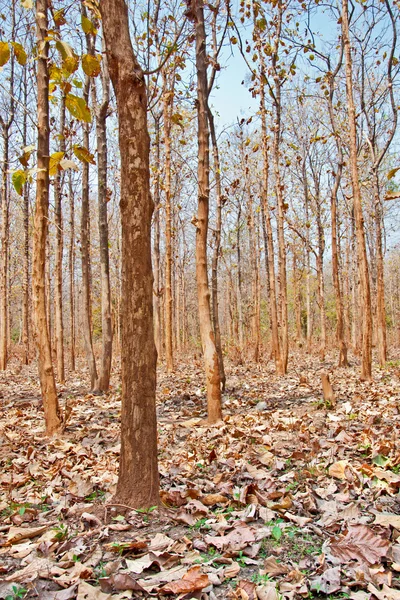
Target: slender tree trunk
{"points": [[58, 293], [71, 268], [380, 283], [239, 293], [168, 103], [217, 249], [321, 282], [85, 256], [157, 282], [46, 371], [101, 111], [4, 254], [138, 483], [26, 267], [366, 363], [340, 330], [206, 330]]}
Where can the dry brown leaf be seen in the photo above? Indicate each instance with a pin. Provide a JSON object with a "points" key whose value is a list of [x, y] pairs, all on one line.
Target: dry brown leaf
{"points": [[192, 581], [235, 540], [88, 592], [387, 520], [338, 469], [267, 592], [17, 534], [386, 593], [212, 499], [359, 542], [328, 582], [272, 567]]}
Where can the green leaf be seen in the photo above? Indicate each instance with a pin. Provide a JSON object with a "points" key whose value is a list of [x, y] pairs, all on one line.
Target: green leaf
{"points": [[78, 108], [88, 26], [91, 65], [55, 160], [276, 533], [18, 179], [380, 460], [19, 52], [83, 154], [4, 53]]}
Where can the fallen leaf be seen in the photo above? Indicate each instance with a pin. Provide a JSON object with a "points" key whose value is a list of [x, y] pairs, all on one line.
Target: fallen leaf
{"points": [[359, 542]]}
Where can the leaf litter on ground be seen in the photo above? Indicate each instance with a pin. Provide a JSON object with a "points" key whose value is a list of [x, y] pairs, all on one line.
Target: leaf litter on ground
{"points": [[286, 498]]}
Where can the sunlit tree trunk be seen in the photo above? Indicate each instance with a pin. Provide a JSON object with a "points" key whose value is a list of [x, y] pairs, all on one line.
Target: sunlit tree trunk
{"points": [[71, 269], [203, 292], [138, 483], [157, 208], [46, 371], [366, 362], [58, 222]]}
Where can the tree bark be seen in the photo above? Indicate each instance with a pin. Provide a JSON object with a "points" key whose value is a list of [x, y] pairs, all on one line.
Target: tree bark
{"points": [[101, 111], [138, 484], [71, 268], [58, 293], [46, 371], [366, 363], [213, 377]]}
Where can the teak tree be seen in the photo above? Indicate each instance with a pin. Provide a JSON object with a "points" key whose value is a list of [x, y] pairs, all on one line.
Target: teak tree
{"points": [[138, 484]]}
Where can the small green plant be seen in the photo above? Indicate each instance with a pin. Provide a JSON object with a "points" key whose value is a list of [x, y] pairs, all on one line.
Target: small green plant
{"points": [[17, 592], [96, 495], [276, 533], [100, 571], [260, 579], [146, 511], [201, 524], [240, 560], [61, 532]]}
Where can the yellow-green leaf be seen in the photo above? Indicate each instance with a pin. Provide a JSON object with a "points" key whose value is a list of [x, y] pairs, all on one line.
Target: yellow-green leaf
{"points": [[27, 4], [4, 53], [91, 64], [55, 160], [19, 178], [78, 108], [19, 52], [83, 154], [88, 26], [59, 17]]}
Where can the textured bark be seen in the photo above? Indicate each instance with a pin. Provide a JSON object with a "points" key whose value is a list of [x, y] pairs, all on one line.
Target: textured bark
{"points": [[366, 362], [58, 292], [71, 269], [5, 124], [101, 110], [217, 249], [46, 371], [26, 267], [283, 300], [168, 104], [138, 484], [157, 278], [340, 332], [203, 173], [85, 256]]}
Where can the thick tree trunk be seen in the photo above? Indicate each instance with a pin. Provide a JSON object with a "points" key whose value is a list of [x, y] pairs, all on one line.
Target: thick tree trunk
{"points": [[203, 292], [138, 484], [46, 372], [366, 364], [58, 292]]}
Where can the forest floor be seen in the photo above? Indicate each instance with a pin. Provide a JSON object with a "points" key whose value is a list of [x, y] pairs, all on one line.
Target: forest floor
{"points": [[287, 498]]}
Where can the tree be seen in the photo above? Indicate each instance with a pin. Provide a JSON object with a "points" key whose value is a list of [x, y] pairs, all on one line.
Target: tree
{"points": [[366, 364], [213, 379], [138, 483], [46, 372]]}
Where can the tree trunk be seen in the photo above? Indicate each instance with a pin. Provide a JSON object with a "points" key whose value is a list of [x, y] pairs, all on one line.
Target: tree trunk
{"points": [[71, 268], [85, 256], [168, 103], [101, 111], [58, 293], [4, 254], [203, 292], [26, 269], [217, 249], [157, 282], [366, 363], [46, 372], [138, 484]]}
